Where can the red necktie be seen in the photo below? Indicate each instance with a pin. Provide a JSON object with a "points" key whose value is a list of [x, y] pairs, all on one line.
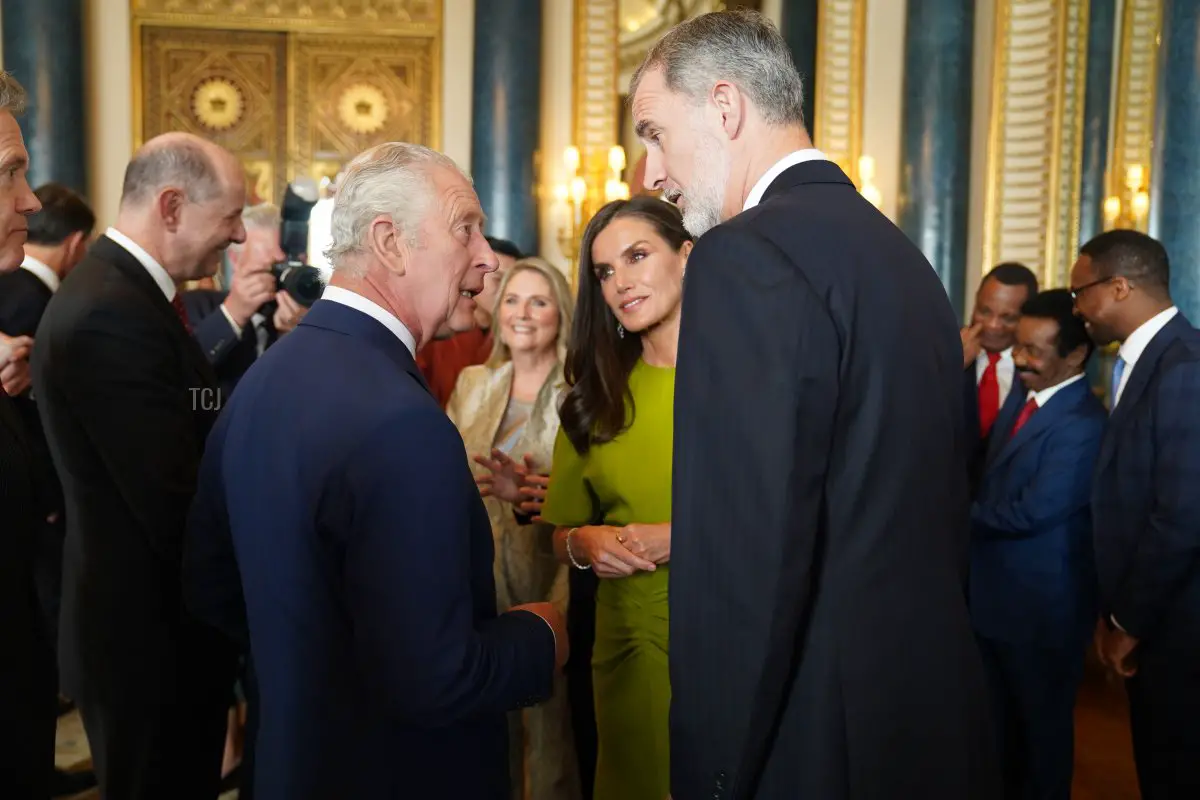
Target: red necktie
{"points": [[1026, 412], [989, 395], [177, 304]]}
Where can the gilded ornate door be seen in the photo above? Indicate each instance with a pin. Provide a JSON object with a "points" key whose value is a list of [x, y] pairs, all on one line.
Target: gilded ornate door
{"points": [[291, 91]]}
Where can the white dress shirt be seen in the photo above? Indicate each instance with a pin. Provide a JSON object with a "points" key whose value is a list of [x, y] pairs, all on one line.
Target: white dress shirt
{"points": [[787, 162], [42, 272], [356, 301], [1006, 370], [1137, 342], [156, 270], [1044, 395]]}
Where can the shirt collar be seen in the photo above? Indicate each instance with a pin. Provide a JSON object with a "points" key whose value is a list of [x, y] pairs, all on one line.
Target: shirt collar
{"points": [[148, 261], [787, 162], [43, 272], [1137, 342], [1044, 395], [389, 320], [1005, 357]]}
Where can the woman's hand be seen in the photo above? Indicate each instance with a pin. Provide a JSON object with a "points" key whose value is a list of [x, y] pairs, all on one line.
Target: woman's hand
{"points": [[603, 548], [651, 542], [533, 495], [506, 478]]}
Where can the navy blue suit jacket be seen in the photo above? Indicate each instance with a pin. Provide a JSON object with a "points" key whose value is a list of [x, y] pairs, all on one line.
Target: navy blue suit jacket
{"points": [[231, 355], [338, 528], [1146, 496], [1032, 569]]}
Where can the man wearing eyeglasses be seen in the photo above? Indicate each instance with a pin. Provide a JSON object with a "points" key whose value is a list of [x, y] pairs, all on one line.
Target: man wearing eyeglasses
{"points": [[1146, 503]]}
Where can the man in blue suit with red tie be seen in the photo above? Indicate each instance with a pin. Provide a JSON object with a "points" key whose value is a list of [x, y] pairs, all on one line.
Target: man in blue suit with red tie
{"points": [[337, 530], [1146, 503], [1032, 587]]}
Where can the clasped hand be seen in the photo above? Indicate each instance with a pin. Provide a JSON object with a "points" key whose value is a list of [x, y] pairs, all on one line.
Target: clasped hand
{"points": [[14, 363], [616, 552]]}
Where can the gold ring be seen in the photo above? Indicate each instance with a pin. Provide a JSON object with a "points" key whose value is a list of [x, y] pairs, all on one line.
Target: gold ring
{"points": [[621, 538]]}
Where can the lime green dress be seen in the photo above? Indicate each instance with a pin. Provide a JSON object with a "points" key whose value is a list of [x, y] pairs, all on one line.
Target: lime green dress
{"points": [[624, 481]]}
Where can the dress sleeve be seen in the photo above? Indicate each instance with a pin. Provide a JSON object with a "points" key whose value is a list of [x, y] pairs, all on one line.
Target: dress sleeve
{"points": [[569, 500]]}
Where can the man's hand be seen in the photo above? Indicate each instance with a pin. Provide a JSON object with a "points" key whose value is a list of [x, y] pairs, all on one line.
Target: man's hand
{"points": [[251, 288], [557, 623], [14, 363], [970, 343], [288, 313], [1116, 649]]}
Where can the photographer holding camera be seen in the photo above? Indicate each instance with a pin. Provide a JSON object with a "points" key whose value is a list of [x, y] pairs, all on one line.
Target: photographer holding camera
{"points": [[234, 328]]}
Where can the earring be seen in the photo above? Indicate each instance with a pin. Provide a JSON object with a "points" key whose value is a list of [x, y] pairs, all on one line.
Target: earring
{"points": [[620, 330]]}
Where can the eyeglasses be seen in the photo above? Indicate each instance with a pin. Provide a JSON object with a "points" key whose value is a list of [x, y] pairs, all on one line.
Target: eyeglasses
{"points": [[1081, 289]]}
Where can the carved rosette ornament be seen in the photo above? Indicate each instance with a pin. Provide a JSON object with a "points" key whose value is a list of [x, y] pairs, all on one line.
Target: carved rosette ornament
{"points": [[218, 104], [363, 109]]}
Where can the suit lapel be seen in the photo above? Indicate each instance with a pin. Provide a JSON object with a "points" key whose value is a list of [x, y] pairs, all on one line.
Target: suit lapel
{"points": [[1005, 420], [1139, 379], [1042, 420], [109, 251]]}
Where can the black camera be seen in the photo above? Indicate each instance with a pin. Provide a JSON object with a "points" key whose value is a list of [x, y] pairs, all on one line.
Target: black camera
{"points": [[292, 275]]}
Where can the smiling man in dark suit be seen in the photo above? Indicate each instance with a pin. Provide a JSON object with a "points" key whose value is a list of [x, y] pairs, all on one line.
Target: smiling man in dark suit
{"points": [[126, 398], [1033, 598], [1146, 503], [820, 640]]}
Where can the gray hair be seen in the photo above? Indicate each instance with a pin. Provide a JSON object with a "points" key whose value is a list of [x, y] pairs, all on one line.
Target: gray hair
{"points": [[180, 163], [12, 94], [263, 216], [740, 46], [390, 179]]}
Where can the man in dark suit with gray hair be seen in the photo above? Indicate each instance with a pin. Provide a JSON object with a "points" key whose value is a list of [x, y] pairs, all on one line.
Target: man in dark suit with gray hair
{"points": [[820, 641]]}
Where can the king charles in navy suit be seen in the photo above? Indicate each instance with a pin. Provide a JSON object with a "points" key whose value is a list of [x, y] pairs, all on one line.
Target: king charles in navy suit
{"points": [[1146, 499], [338, 531], [1032, 585]]}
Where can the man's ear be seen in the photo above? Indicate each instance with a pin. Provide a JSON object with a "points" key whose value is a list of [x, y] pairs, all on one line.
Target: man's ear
{"points": [[388, 245], [76, 243], [170, 208], [1077, 357], [731, 105]]}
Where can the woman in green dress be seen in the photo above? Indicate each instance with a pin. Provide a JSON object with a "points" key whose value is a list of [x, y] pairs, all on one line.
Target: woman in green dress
{"points": [[610, 488]]}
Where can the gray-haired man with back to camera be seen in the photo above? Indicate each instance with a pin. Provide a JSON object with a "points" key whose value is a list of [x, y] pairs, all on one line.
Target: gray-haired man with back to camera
{"points": [[820, 641]]}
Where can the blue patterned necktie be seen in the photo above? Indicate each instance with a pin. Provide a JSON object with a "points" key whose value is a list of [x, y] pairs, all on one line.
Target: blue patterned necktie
{"points": [[1118, 371]]}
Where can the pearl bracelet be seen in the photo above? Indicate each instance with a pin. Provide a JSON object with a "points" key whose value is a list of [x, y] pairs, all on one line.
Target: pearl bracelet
{"points": [[571, 555]]}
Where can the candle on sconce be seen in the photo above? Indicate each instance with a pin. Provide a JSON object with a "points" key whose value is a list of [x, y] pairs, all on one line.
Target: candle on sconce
{"points": [[571, 159], [1134, 177], [1112, 210], [616, 158]]}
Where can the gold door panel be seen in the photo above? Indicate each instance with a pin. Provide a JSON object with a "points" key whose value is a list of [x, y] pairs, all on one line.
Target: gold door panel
{"points": [[227, 86]]}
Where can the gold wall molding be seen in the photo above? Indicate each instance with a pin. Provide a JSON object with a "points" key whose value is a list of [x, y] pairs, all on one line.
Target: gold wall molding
{"points": [[292, 87], [407, 17], [838, 102], [595, 100], [1035, 137], [1134, 96]]}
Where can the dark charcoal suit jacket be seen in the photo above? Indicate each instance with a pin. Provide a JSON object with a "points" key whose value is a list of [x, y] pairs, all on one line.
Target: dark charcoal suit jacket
{"points": [[820, 640], [125, 396]]}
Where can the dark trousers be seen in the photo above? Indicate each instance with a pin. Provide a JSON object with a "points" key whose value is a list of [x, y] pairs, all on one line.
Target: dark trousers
{"points": [[48, 574], [1164, 714], [162, 736], [581, 631], [1033, 693]]}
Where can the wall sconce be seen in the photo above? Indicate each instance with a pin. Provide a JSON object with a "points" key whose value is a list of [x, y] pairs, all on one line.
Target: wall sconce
{"points": [[866, 176], [1131, 208], [575, 199]]}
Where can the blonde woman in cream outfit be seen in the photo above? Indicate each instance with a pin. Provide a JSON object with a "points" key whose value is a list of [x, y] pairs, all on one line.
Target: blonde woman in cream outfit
{"points": [[507, 412]]}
